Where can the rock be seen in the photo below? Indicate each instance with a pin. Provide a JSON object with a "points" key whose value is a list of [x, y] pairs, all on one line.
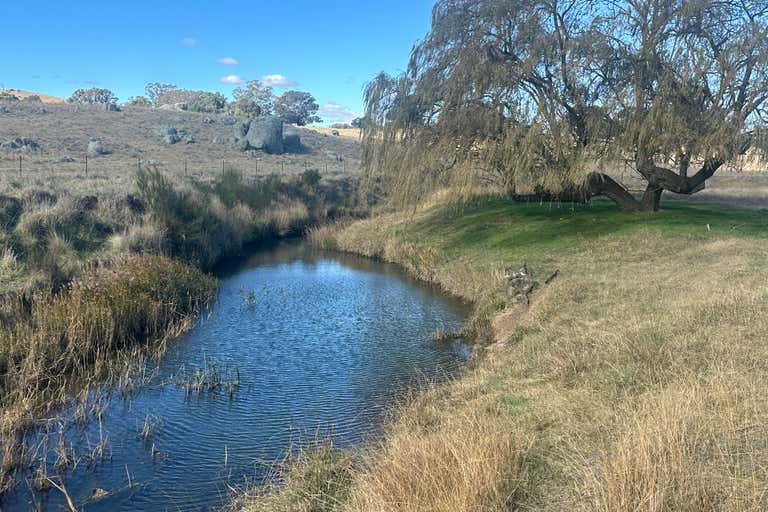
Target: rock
{"points": [[189, 139], [208, 120], [10, 211], [41, 110], [66, 159], [229, 121], [335, 133], [96, 148], [291, 140], [111, 107], [520, 284], [21, 143], [266, 134], [169, 134]]}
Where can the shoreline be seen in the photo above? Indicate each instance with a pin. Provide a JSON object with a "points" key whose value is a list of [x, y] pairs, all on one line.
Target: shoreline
{"points": [[562, 410]]}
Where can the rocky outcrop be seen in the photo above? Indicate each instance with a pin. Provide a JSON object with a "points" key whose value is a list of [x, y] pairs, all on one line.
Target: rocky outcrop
{"points": [[21, 143], [261, 133]]}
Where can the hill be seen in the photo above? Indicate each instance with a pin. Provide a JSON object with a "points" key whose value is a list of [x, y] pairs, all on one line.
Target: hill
{"points": [[61, 133], [45, 98]]}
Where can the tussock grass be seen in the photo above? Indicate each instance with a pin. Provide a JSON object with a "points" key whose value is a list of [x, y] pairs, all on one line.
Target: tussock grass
{"points": [[634, 381], [313, 478], [60, 342]]}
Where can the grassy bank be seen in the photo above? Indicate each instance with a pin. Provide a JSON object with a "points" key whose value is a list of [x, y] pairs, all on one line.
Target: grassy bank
{"points": [[634, 381]]}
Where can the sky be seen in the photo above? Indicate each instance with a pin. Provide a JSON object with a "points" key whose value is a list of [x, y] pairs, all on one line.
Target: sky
{"points": [[329, 48]]}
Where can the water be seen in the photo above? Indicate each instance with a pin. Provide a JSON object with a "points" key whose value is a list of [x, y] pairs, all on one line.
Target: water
{"points": [[322, 343]]}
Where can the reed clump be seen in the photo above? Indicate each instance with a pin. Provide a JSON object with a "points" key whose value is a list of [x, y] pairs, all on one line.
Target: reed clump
{"points": [[61, 341]]}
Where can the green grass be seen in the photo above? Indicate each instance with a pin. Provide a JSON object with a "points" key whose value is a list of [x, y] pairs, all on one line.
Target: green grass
{"points": [[540, 231]]}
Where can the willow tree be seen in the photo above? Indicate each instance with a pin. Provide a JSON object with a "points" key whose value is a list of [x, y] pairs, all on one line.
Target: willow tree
{"points": [[548, 96]]}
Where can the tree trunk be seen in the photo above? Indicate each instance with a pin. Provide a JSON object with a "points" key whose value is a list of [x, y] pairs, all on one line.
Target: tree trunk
{"points": [[652, 198]]}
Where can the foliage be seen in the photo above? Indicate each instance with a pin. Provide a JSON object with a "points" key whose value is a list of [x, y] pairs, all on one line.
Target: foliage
{"points": [[358, 122], [138, 101], [156, 90], [546, 96], [297, 107], [92, 96], [212, 102], [254, 98], [7, 96]]}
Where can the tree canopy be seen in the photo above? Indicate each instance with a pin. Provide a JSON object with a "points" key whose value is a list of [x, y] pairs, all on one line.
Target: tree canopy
{"points": [[297, 107], [552, 96]]}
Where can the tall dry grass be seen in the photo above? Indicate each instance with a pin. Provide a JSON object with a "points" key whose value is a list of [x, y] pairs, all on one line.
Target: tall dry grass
{"points": [[60, 342]]}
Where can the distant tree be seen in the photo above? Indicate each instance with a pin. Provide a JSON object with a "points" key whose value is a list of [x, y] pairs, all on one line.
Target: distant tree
{"points": [[297, 107], [358, 122], [138, 101], [33, 98], [210, 102], [178, 96], [255, 97], [155, 90], [92, 96]]}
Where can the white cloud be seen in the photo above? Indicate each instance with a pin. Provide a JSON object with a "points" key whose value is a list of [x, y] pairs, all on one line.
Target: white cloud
{"points": [[335, 113], [228, 61], [188, 41], [278, 81], [231, 79]]}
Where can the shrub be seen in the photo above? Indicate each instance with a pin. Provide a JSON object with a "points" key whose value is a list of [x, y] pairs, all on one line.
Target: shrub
{"points": [[210, 102], [6, 96]]}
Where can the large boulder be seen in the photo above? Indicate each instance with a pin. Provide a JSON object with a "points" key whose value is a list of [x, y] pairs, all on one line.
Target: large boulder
{"points": [[263, 133], [291, 140]]}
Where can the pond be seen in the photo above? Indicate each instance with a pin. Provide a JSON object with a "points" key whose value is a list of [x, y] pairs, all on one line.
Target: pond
{"points": [[304, 343]]}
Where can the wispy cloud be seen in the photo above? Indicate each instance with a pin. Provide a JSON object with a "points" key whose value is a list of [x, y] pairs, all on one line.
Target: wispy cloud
{"points": [[278, 81], [188, 41], [228, 61], [336, 113], [231, 79]]}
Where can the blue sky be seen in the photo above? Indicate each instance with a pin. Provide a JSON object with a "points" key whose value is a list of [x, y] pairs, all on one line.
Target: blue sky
{"points": [[330, 48]]}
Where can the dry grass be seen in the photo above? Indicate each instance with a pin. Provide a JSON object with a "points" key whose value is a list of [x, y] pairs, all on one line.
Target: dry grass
{"points": [[131, 135], [634, 382]]}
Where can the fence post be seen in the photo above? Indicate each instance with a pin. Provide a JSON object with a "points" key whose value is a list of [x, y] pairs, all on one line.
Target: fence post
{"points": [[185, 167], [86, 165], [19, 166], [138, 164]]}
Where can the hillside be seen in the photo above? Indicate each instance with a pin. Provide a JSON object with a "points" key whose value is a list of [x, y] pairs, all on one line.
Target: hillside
{"points": [[62, 132], [45, 98]]}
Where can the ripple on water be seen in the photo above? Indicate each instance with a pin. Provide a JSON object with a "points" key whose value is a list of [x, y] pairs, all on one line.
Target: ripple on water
{"points": [[321, 342]]}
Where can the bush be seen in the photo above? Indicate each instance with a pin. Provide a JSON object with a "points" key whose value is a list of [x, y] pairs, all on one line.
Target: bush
{"points": [[209, 102], [6, 96]]}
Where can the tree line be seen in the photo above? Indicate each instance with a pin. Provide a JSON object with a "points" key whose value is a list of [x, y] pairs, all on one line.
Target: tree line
{"points": [[250, 100], [550, 97]]}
